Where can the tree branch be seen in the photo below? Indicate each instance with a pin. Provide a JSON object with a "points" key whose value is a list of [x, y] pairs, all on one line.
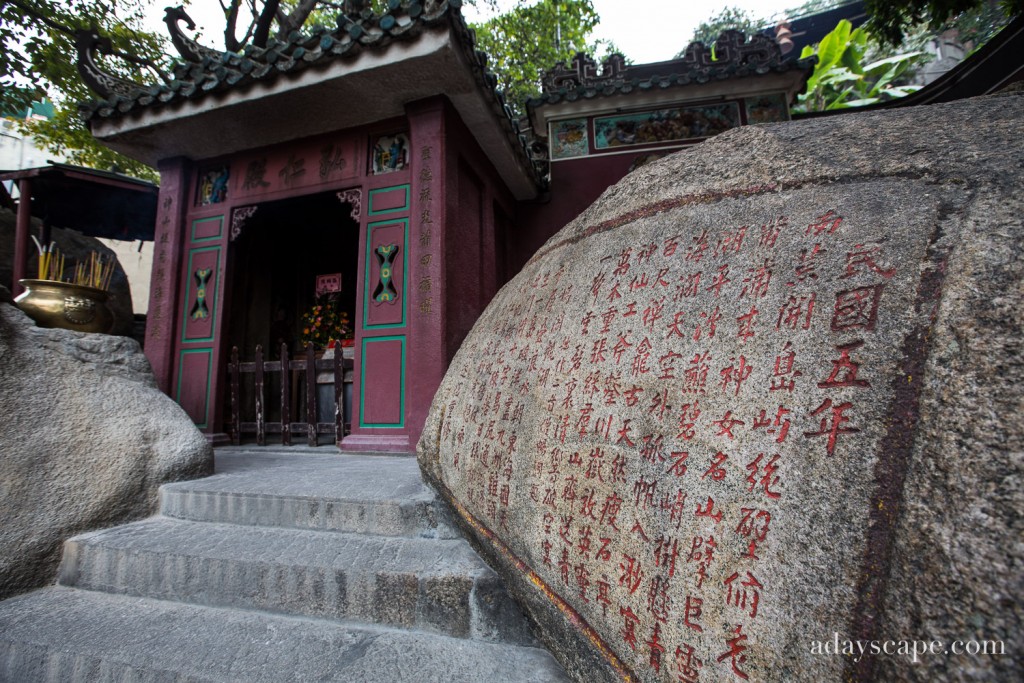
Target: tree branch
{"points": [[32, 12], [295, 20], [266, 18], [141, 61], [231, 43]]}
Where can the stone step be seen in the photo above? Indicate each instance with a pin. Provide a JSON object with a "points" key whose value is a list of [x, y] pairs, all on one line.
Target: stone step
{"points": [[439, 586], [64, 635], [382, 495]]}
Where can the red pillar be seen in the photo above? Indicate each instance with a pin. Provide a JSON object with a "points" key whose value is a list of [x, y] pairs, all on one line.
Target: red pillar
{"points": [[164, 280], [21, 236], [431, 167]]}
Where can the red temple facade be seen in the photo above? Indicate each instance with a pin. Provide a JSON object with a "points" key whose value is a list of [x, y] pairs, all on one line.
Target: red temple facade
{"points": [[381, 154]]}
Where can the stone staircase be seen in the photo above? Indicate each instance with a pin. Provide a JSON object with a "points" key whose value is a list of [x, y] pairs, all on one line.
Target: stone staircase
{"points": [[290, 566]]}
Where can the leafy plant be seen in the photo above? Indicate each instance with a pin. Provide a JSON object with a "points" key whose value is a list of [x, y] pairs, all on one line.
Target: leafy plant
{"points": [[525, 41], [891, 19], [841, 79], [38, 56]]}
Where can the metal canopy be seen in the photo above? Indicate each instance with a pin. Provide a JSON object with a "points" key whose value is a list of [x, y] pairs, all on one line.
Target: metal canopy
{"points": [[95, 203]]}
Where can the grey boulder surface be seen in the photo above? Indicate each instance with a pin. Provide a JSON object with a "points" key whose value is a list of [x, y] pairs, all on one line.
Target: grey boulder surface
{"points": [[87, 440], [762, 399]]}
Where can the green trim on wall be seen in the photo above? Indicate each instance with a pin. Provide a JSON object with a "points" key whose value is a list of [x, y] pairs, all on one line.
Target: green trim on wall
{"points": [[380, 190], [189, 282], [209, 381], [220, 229], [368, 261], [362, 386]]}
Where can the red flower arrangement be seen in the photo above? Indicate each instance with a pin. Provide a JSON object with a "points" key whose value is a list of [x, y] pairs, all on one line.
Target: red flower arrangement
{"points": [[324, 323]]}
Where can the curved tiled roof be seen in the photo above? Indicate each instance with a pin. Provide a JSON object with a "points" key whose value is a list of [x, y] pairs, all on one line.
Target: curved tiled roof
{"points": [[205, 71], [734, 56]]}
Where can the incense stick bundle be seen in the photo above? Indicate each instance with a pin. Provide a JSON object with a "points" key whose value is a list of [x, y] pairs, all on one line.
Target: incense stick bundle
{"points": [[51, 261], [97, 273], [108, 275]]}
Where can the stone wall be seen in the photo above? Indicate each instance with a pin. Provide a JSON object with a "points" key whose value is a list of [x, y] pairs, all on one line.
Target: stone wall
{"points": [[764, 392]]}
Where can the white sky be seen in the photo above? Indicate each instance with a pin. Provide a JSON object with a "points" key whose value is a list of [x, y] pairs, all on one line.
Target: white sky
{"points": [[656, 30], [645, 30]]}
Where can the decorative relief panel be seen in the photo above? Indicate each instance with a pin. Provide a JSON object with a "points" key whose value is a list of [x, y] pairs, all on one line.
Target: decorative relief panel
{"points": [[200, 294], [665, 125], [212, 185], [569, 139], [385, 291], [389, 153], [385, 274]]}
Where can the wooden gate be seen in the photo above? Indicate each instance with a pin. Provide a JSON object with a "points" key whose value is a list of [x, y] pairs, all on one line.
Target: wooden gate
{"points": [[291, 373]]}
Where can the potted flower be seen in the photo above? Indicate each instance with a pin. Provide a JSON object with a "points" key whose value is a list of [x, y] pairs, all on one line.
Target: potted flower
{"points": [[325, 322]]}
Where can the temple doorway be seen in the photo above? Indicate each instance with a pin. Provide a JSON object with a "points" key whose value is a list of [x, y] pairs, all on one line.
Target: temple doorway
{"points": [[285, 247], [288, 251]]}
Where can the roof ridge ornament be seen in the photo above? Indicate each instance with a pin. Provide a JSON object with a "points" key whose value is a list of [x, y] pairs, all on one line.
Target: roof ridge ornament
{"points": [[583, 72], [88, 42], [732, 49], [188, 48]]}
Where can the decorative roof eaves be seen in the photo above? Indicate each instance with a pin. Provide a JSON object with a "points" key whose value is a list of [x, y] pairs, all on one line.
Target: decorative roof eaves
{"points": [[737, 58], [404, 20], [225, 70], [657, 81]]}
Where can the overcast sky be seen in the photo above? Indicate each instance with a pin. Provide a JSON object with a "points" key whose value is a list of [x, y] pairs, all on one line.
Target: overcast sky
{"points": [[645, 30], [656, 30], [663, 28]]}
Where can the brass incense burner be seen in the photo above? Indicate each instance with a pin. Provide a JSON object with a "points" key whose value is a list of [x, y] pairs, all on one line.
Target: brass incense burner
{"points": [[51, 303]]}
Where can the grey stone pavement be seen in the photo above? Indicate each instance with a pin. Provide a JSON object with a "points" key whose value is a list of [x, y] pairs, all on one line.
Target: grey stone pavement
{"points": [[288, 564]]}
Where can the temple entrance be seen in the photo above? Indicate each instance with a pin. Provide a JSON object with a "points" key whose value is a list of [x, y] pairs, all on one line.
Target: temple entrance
{"points": [[288, 251]]}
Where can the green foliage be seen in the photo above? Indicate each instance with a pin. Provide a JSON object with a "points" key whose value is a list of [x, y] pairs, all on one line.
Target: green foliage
{"points": [[976, 26], [284, 16], [707, 32], [66, 134], [891, 20], [842, 79], [529, 39], [38, 49], [814, 7]]}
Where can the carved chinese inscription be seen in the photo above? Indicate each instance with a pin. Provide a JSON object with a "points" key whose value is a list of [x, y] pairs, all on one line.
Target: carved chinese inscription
{"points": [[292, 171], [255, 175], [155, 323], [332, 159], [664, 419], [426, 223]]}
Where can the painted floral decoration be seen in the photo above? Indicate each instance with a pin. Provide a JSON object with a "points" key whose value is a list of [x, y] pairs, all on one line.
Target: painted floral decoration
{"points": [[324, 322]]}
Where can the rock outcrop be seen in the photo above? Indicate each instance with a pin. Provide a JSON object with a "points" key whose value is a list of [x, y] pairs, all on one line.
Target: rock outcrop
{"points": [[763, 399], [87, 440]]}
